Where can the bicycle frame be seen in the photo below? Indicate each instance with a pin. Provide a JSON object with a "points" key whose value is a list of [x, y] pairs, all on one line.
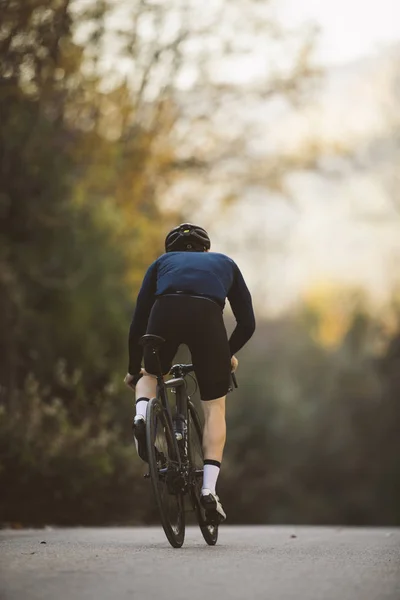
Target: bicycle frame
{"points": [[177, 386], [179, 470]]}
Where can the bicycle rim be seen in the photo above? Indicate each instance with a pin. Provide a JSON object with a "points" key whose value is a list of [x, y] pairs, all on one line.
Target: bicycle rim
{"points": [[164, 474], [195, 437]]}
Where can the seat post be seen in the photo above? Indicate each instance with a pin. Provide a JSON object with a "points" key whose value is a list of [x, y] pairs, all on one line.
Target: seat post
{"points": [[160, 378]]}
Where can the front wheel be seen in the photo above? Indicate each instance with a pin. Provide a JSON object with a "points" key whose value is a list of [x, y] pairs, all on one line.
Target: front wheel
{"points": [[195, 445], [165, 473]]}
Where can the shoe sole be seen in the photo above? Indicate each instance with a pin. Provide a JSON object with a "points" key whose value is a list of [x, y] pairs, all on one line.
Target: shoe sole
{"points": [[210, 507]]}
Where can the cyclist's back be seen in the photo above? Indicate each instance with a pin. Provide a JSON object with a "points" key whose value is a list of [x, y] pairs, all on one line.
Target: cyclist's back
{"points": [[209, 274]]}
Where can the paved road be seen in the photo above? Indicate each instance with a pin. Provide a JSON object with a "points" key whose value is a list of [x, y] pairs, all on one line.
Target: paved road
{"points": [[265, 563]]}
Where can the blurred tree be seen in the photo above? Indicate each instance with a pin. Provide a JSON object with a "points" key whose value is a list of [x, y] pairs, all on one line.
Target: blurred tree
{"points": [[48, 266], [313, 430], [182, 67], [64, 299]]}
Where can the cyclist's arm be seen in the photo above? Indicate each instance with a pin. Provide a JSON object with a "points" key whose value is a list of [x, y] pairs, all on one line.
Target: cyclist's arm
{"points": [[242, 307], [144, 303]]}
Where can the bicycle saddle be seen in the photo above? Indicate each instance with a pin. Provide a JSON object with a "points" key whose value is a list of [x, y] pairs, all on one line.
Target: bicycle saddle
{"points": [[155, 341]]}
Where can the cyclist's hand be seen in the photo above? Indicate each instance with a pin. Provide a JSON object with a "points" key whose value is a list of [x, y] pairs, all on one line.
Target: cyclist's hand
{"points": [[129, 380], [234, 363]]}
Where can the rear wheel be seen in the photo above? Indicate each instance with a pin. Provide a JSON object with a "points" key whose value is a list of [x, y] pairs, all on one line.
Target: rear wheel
{"points": [[164, 473], [195, 438]]}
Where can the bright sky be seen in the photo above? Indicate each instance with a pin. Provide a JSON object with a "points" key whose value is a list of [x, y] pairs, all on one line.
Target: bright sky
{"points": [[325, 243], [350, 29]]}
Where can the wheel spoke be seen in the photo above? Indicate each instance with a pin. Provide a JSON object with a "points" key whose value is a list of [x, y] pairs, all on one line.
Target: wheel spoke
{"points": [[162, 466]]}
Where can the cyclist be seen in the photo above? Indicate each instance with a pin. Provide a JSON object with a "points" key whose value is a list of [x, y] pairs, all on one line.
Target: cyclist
{"points": [[181, 299]]}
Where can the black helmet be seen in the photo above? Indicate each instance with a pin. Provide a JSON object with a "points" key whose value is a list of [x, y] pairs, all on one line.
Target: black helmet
{"points": [[187, 237]]}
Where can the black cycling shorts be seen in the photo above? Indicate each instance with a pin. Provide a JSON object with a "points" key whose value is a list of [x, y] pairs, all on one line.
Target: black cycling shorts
{"points": [[198, 323]]}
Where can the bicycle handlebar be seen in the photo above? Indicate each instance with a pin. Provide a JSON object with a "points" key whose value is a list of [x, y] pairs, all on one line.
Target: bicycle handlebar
{"points": [[182, 370]]}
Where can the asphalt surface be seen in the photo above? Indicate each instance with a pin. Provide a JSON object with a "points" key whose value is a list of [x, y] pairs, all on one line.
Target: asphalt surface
{"points": [[266, 563]]}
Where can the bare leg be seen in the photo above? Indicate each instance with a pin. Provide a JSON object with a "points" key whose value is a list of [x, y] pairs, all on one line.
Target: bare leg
{"points": [[214, 434], [146, 387]]}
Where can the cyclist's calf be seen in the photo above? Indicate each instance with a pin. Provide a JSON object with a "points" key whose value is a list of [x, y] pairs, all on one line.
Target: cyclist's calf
{"points": [[146, 387], [214, 434]]}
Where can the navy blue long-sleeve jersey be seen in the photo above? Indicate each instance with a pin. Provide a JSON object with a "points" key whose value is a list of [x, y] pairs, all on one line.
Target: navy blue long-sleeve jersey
{"points": [[207, 274]]}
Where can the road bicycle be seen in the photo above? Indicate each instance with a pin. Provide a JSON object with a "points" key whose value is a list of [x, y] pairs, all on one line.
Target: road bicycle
{"points": [[174, 447]]}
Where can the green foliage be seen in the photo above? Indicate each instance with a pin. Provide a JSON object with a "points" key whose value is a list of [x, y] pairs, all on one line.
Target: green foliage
{"points": [[59, 469], [314, 431], [64, 265]]}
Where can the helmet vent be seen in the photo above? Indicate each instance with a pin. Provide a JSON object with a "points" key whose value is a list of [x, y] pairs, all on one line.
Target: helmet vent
{"points": [[187, 237]]}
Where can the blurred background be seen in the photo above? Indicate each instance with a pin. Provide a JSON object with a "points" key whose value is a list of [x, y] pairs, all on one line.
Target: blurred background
{"points": [[276, 126]]}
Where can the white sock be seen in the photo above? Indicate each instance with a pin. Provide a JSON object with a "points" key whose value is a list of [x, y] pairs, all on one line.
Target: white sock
{"points": [[141, 407], [210, 477]]}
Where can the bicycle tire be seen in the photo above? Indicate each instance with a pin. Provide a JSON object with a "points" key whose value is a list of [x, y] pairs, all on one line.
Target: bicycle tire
{"points": [[164, 473], [195, 444]]}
